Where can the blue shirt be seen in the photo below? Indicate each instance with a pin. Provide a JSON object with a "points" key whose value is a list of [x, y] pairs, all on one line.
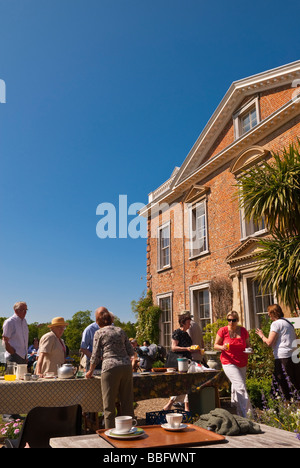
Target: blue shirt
{"points": [[88, 336]]}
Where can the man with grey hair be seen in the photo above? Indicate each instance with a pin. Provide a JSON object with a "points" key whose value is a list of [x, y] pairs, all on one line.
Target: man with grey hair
{"points": [[15, 335], [15, 338]]}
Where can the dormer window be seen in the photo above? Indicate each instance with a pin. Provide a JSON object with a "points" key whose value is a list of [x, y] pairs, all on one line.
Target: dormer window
{"points": [[249, 120], [246, 118]]}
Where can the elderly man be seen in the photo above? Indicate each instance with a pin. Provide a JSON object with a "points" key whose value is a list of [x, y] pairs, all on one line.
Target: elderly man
{"points": [[15, 335], [15, 338]]}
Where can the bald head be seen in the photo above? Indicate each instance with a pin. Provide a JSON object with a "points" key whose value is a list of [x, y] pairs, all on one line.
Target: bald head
{"points": [[103, 317]]}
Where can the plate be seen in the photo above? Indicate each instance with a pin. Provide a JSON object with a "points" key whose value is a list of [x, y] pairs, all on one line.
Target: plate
{"points": [[115, 432], [169, 428], [132, 435]]}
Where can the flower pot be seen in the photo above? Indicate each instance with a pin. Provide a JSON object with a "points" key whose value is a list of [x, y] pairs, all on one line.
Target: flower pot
{"points": [[213, 359]]}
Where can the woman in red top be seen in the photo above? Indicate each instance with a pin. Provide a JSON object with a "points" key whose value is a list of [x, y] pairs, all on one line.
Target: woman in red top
{"points": [[232, 341]]}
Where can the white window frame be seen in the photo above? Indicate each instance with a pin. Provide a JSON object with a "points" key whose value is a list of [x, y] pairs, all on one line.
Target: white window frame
{"points": [[242, 112], [193, 209], [194, 289], [160, 266], [245, 278], [162, 335], [250, 227]]}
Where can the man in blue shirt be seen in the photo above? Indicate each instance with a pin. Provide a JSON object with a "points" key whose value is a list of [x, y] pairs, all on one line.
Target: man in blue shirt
{"points": [[87, 339]]}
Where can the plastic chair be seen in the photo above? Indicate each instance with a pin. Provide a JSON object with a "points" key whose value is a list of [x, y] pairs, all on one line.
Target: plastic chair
{"points": [[42, 424]]}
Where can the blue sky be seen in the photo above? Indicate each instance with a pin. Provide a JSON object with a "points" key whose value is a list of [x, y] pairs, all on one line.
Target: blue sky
{"points": [[104, 98]]}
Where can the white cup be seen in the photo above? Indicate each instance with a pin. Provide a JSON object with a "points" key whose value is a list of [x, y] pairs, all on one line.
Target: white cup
{"points": [[174, 420], [124, 424]]}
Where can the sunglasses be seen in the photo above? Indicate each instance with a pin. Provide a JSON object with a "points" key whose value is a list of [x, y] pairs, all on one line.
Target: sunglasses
{"points": [[232, 320]]}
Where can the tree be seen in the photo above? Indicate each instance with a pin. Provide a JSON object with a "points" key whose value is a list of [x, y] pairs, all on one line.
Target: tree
{"points": [[272, 190], [128, 327], [147, 318], [75, 328]]}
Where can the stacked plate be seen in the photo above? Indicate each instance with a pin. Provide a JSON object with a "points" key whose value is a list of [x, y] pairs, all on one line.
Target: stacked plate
{"points": [[134, 433]]}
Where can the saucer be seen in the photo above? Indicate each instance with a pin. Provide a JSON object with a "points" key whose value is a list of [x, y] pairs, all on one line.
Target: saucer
{"points": [[169, 428], [116, 432], [134, 433]]}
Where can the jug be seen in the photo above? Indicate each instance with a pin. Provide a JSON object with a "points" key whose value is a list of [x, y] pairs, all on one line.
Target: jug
{"points": [[10, 368], [10, 372], [183, 364], [20, 370]]}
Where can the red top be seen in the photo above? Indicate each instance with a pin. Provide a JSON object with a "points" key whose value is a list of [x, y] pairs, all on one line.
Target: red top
{"points": [[236, 354]]}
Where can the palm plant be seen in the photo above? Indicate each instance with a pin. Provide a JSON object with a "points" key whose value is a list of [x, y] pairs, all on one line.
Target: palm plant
{"points": [[272, 191]]}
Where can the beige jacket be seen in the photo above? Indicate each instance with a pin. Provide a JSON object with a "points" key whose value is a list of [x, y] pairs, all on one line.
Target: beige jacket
{"points": [[55, 352]]}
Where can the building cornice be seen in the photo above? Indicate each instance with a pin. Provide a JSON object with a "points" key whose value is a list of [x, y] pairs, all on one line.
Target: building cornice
{"points": [[251, 138]]}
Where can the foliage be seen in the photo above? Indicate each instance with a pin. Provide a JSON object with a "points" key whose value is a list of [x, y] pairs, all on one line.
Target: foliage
{"points": [[75, 328], [256, 388], [221, 296], [148, 316], [277, 412], [2, 319], [261, 362], [272, 191], [210, 333], [11, 430], [158, 364], [128, 327], [279, 267]]}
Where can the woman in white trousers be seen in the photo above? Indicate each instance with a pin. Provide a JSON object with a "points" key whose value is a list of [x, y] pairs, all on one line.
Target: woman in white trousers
{"points": [[233, 340]]}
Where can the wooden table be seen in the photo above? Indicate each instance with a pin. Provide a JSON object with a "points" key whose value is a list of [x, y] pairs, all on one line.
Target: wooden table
{"points": [[270, 438], [20, 397]]}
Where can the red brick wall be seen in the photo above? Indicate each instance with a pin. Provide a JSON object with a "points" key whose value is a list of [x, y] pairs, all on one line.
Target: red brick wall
{"points": [[222, 212]]}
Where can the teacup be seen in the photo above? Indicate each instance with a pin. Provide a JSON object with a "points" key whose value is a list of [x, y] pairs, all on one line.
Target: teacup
{"points": [[124, 424], [174, 420]]}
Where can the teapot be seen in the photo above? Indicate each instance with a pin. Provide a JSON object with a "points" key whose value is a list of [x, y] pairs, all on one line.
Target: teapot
{"points": [[20, 371], [66, 371]]}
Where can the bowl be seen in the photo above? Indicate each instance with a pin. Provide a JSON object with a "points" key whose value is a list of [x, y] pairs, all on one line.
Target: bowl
{"points": [[159, 369]]}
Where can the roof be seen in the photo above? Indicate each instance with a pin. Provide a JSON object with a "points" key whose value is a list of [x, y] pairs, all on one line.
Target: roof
{"points": [[195, 165]]}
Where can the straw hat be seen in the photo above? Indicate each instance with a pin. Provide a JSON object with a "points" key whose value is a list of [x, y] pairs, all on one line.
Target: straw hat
{"points": [[58, 322]]}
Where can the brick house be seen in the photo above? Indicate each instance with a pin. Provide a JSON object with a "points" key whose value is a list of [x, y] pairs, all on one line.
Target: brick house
{"points": [[196, 230]]}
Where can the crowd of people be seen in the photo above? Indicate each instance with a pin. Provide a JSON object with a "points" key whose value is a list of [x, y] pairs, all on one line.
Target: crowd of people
{"points": [[107, 347]]}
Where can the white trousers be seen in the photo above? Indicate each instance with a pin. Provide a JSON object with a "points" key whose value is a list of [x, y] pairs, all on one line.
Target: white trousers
{"points": [[239, 394]]}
